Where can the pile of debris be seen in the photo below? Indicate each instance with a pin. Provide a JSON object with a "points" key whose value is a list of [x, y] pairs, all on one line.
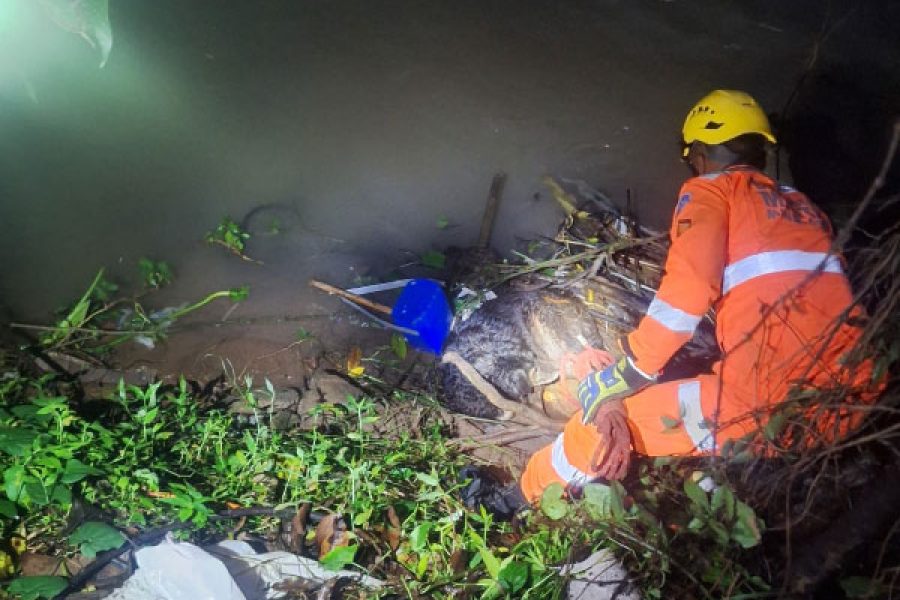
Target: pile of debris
{"points": [[590, 287]]}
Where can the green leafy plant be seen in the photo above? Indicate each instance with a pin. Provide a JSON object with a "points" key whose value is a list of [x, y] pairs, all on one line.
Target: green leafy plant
{"points": [[161, 456], [97, 322], [230, 236], [37, 586], [156, 274]]}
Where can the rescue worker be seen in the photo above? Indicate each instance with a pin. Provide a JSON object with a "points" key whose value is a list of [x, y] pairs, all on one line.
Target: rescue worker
{"points": [[756, 252]]}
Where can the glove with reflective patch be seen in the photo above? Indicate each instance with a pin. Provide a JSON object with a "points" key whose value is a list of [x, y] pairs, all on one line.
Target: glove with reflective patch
{"points": [[615, 382], [484, 489]]}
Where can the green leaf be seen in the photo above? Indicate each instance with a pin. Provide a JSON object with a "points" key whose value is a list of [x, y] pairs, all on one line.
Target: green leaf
{"points": [[361, 518], [696, 524], [490, 562], [434, 259], [38, 586], [238, 294], [31, 413], [598, 500], [723, 502], [8, 509], [553, 503], [427, 479], [94, 537], [418, 539], [442, 222], [398, 345], [77, 470], [338, 557], [14, 483], [746, 530], [35, 492], [719, 531], [16, 441], [513, 576], [697, 495], [62, 495], [617, 500]]}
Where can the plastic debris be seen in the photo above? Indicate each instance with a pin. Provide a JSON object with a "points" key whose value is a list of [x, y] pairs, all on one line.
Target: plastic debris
{"points": [[230, 570]]}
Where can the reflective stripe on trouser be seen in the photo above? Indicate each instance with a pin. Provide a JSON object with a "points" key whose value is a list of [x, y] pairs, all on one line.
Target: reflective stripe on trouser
{"points": [[687, 402]]}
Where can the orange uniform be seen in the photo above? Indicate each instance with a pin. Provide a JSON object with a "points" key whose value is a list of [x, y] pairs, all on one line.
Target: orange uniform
{"points": [[758, 253]]}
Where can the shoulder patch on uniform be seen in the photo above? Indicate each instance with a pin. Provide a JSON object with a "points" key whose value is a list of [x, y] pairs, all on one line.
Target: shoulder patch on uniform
{"points": [[682, 201]]}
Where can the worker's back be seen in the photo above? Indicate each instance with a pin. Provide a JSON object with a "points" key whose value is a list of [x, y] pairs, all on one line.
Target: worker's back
{"points": [[784, 299]]}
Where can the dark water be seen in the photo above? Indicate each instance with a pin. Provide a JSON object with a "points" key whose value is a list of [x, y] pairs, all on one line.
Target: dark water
{"points": [[365, 123]]}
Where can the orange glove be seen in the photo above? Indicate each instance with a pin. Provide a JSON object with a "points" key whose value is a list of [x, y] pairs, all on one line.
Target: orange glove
{"points": [[613, 455]]}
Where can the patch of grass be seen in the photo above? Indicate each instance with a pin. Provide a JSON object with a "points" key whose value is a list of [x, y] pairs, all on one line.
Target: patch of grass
{"points": [[156, 456]]}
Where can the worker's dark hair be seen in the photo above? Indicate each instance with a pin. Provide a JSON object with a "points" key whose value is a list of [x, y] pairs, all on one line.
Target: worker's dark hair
{"points": [[748, 149]]}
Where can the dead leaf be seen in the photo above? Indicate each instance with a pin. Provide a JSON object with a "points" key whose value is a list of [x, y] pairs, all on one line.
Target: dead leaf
{"points": [[393, 532], [459, 560], [354, 362], [298, 528], [160, 495], [331, 533]]}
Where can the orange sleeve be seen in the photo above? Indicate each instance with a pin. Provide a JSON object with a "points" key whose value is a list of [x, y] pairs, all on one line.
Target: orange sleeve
{"points": [[692, 279]]}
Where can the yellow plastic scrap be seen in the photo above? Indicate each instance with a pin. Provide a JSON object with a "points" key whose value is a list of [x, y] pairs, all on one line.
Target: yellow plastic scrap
{"points": [[354, 363]]}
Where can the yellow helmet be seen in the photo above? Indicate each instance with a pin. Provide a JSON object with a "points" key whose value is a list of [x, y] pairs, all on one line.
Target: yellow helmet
{"points": [[723, 115]]}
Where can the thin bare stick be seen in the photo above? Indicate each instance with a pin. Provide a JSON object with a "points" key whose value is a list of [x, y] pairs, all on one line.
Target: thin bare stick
{"points": [[490, 210], [500, 438], [356, 299]]}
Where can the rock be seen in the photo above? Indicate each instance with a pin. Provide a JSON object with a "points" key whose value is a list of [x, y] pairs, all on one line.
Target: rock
{"points": [[285, 399], [285, 420], [99, 382], [327, 387], [599, 577], [70, 363]]}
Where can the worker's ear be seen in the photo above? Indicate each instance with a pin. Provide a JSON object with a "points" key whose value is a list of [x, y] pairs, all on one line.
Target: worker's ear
{"points": [[698, 159]]}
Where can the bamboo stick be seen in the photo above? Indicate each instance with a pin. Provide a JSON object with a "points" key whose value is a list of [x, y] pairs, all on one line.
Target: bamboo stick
{"points": [[365, 302]]}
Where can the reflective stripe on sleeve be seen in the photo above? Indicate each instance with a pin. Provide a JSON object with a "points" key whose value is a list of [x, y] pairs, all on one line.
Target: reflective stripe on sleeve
{"points": [[562, 466], [673, 318], [692, 416], [767, 263]]}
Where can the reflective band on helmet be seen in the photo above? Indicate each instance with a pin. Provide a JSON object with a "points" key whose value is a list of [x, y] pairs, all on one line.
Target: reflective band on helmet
{"points": [[692, 416], [673, 318], [781, 261], [563, 467]]}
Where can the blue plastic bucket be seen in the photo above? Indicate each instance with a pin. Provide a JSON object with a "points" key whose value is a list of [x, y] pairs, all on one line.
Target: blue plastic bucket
{"points": [[423, 308]]}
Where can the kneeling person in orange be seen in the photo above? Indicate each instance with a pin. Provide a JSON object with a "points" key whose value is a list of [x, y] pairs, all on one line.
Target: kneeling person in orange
{"points": [[759, 254]]}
